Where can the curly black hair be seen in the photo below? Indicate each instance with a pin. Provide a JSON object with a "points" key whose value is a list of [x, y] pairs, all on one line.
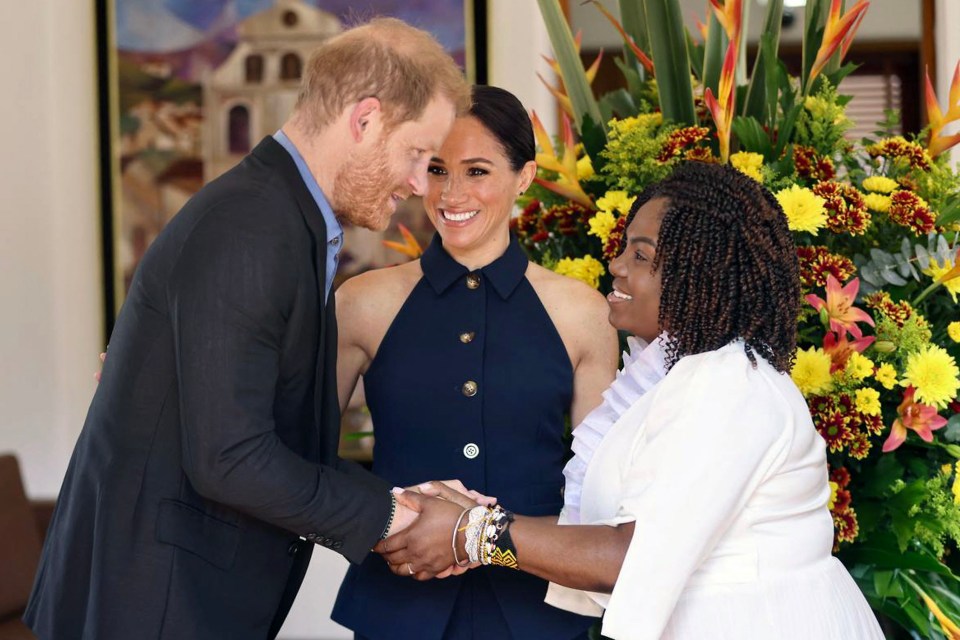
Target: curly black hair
{"points": [[728, 265]]}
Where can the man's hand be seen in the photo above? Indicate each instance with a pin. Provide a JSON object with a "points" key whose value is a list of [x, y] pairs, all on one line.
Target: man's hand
{"points": [[454, 491], [423, 549]]}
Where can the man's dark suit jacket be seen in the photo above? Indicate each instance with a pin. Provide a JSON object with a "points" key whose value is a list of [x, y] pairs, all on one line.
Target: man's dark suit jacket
{"points": [[210, 446]]}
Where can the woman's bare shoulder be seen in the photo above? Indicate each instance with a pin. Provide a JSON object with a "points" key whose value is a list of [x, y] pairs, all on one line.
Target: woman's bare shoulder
{"points": [[376, 293], [578, 311]]}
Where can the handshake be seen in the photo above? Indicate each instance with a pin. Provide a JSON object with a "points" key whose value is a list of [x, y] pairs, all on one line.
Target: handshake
{"points": [[428, 535]]}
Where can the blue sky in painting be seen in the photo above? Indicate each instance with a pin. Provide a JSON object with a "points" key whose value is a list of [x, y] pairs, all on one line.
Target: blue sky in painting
{"points": [[172, 25]]}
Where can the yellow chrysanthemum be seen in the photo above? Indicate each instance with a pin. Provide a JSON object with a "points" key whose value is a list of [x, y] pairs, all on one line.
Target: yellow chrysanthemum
{"points": [[586, 269], [868, 401], [584, 168], [616, 202], [934, 374], [953, 330], [748, 163], [886, 375], [956, 485], [880, 184], [877, 202], [804, 209], [936, 270], [811, 372], [834, 487], [601, 225], [859, 366]]}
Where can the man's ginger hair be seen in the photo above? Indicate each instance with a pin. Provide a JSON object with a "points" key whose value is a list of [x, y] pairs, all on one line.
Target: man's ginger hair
{"points": [[400, 65]]}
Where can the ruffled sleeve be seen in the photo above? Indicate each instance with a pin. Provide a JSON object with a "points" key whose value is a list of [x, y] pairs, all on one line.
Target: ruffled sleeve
{"points": [[643, 367]]}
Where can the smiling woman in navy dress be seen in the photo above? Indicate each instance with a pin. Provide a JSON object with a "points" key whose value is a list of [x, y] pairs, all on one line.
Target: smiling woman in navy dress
{"points": [[472, 358]]}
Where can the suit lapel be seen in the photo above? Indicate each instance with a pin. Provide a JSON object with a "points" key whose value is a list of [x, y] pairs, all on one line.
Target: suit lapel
{"points": [[326, 418]]}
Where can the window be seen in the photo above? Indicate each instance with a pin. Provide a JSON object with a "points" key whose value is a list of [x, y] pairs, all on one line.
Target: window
{"points": [[254, 69], [239, 130], [290, 18], [290, 67]]}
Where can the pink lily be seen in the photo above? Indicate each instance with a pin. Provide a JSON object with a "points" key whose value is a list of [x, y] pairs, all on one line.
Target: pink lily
{"points": [[565, 166], [840, 349], [938, 120], [839, 307], [409, 247], [921, 418], [838, 34]]}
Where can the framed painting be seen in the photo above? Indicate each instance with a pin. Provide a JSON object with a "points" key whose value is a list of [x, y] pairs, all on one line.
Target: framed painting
{"points": [[185, 93]]}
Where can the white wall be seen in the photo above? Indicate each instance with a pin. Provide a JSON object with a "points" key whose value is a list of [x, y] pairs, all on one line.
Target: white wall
{"points": [[50, 326]]}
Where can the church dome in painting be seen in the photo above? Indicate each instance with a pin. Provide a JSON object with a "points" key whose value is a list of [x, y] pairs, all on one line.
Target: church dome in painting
{"points": [[289, 20]]}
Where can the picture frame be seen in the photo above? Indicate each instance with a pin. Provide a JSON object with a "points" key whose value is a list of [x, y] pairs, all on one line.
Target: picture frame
{"points": [[165, 129]]}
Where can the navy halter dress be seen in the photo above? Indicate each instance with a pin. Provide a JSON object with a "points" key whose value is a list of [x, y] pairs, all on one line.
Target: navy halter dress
{"points": [[471, 382]]}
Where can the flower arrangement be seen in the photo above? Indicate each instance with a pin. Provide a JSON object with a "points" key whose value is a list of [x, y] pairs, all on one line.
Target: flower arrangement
{"points": [[877, 226]]}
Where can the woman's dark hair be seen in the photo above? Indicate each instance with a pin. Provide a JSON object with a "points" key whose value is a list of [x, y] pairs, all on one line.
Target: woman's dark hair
{"points": [[728, 265], [504, 116]]}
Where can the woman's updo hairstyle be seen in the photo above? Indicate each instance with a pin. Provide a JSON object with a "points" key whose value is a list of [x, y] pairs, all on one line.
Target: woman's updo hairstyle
{"points": [[503, 115]]}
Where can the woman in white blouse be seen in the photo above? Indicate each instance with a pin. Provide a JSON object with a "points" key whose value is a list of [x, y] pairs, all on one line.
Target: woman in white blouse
{"points": [[700, 484]]}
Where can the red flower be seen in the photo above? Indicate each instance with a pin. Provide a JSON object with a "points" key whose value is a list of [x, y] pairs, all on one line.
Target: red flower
{"points": [[845, 527], [839, 306], [921, 418], [841, 476], [809, 164], [839, 349], [816, 263], [846, 208], [909, 210]]}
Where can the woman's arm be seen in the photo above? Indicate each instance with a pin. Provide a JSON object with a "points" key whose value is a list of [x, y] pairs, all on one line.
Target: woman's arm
{"points": [[586, 557]]}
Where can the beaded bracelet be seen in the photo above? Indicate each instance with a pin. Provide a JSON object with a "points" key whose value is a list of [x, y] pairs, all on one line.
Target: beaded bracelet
{"points": [[453, 543]]}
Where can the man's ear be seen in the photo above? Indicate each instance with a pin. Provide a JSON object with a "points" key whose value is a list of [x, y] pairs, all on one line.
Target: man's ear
{"points": [[366, 118]]}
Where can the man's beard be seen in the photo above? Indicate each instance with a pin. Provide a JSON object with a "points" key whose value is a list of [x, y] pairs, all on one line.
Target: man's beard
{"points": [[363, 189]]}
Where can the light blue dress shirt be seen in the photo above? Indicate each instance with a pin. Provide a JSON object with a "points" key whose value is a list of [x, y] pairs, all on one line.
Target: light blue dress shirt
{"points": [[334, 230]]}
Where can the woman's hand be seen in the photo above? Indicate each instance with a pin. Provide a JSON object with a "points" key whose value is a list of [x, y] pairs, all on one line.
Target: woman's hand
{"points": [[454, 491]]}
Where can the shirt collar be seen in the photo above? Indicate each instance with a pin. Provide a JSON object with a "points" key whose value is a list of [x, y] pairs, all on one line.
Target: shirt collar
{"points": [[334, 230], [504, 273]]}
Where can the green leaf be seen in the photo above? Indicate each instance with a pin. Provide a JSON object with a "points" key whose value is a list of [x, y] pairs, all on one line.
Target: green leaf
{"points": [[815, 15], [593, 138], [882, 580], [883, 553], [634, 21], [571, 67], [619, 103], [762, 91], [670, 60], [950, 213], [635, 82], [696, 53], [752, 137], [715, 49]]}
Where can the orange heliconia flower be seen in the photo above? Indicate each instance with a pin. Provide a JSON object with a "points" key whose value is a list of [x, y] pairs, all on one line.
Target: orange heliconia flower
{"points": [[566, 166], [938, 120], [838, 34], [409, 246], [839, 307], [921, 418], [560, 92]]}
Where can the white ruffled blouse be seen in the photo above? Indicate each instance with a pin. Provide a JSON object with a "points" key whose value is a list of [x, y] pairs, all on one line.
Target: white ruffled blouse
{"points": [[720, 466]]}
